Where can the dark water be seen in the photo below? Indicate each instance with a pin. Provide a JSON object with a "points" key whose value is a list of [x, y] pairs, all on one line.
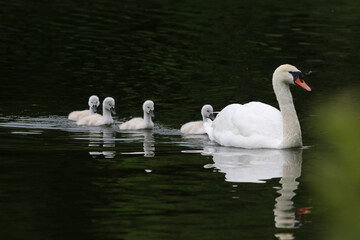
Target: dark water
{"points": [[61, 181]]}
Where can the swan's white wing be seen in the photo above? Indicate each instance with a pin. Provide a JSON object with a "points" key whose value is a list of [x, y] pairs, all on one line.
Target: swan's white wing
{"points": [[135, 123], [253, 125], [92, 120], [76, 115], [259, 118], [195, 127]]}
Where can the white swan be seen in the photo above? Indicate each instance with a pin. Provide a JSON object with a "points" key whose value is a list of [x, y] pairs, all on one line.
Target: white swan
{"points": [[141, 123], [97, 119], [93, 104], [258, 125], [196, 127]]}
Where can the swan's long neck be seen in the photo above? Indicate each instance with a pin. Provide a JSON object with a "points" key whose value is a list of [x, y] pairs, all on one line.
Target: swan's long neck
{"points": [[291, 125], [147, 118], [107, 116]]}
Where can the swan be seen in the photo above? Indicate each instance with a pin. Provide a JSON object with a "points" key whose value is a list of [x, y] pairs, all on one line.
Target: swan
{"points": [[196, 127], [258, 125], [93, 104], [97, 119], [141, 123]]}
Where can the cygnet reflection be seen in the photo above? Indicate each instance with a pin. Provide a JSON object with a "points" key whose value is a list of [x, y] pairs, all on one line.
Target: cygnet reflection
{"points": [[148, 145], [102, 138], [258, 165], [197, 141], [148, 142]]}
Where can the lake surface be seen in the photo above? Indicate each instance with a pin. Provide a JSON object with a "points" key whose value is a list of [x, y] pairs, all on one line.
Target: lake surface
{"points": [[62, 181]]}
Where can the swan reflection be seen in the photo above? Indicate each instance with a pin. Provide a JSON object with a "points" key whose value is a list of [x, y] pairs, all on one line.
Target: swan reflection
{"points": [[102, 138], [256, 166]]}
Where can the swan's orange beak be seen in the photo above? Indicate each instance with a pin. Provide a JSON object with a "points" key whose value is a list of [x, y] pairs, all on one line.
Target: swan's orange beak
{"points": [[302, 84]]}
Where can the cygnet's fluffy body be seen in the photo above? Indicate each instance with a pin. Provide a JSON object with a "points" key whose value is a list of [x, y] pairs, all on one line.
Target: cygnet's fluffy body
{"points": [[97, 119], [93, 104], [197, 127], [141, 123]]}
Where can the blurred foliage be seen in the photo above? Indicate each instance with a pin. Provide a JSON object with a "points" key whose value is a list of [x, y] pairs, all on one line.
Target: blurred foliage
{"points": [[337, 179]]}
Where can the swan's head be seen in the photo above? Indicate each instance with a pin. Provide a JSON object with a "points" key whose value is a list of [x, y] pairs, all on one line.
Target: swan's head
{"points": [[94, 102], [290, 75], [148, 107], [207, 112], [109, 104]]}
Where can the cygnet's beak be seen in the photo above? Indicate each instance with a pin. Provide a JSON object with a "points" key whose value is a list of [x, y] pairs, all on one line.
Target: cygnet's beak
{"points": [[94, 108], [152, 114], [113, 111], [211, 116]]}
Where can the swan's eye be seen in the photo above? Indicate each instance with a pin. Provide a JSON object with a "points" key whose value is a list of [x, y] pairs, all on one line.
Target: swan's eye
{"points": [[297, 75]]}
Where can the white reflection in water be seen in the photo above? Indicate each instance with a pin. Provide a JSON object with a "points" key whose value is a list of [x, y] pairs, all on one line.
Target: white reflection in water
{"points": [[148, 146], [285, 236], [148, 142], [256, 166], [102, 137]]}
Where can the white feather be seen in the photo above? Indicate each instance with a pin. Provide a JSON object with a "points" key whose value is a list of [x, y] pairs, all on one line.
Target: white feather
{"points": [[197, 127], [141, 123], [258, 125], [97, 119], [93, 103]]}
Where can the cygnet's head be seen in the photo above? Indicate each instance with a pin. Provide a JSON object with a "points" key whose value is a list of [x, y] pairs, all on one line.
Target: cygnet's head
{"points": [[94, 102], [109, 104], [207, 112], [148, 107], [290, 75]]}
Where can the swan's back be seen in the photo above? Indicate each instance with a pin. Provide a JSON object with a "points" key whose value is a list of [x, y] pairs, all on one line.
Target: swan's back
{"points": [[252, 125], [195, 127], [92, 120], [133, 124], [76, 115]]}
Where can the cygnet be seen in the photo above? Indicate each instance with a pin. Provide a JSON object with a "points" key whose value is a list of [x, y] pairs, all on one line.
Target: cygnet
{"points": [[97, 119], [93, 104], [141, 123], [196, 127]]}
